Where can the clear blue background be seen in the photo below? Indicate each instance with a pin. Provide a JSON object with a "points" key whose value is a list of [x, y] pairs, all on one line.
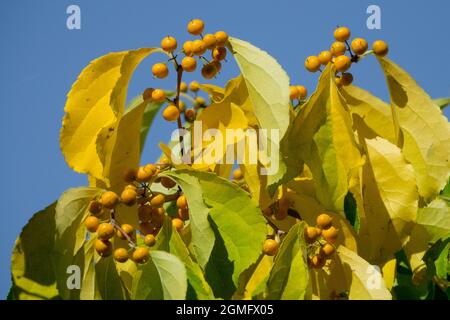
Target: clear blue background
{"points": [[40, 59]]}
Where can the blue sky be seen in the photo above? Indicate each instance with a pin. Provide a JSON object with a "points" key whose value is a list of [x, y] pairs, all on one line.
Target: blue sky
{"points": [[40, 59]]}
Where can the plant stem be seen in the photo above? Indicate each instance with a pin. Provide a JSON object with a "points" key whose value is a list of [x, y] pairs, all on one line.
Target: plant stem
{"points": [[177, 103], [117, 226]]}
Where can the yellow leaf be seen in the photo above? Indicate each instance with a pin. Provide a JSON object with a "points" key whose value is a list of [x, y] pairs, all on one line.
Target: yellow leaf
{"points": [[424, 131], [93, 109], [260, 274], [389, 273], [390, 201]]}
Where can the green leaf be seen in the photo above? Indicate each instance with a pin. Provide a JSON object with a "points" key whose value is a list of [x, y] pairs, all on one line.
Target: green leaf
{"points": [[351, 211], [435, 218], [151, 110], [442, 102], [437, 258], [32, 251], [108, 281], [163, 277], [289, 277]]}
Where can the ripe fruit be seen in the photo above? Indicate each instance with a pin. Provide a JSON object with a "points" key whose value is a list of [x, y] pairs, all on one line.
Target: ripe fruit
{"points": [[105, 231], [157, 201], [95, 207], [129, 175], [109, 199], [181, 105], [128, 229], [200, 101], [209, 71], [198, 47], [311, 234], [302, 92], [210, 41], [270, 247], [237, 174], [317, 261], [338, 49], [195, 27], [346, 79], [158, 95], [144, 175], [327, 250], [169, 44], [103, 247], [324, 221], [183, 214], [187, 48], [131, 186], [217, 65], [171, 113], [91, 223], [325, 57], [183, 87], [177, 224], [342, 34], [189, 64], [151, 168], [293, 92], [121, 255], [359, 45], [342, 63], [145, 213], [190, 114], [141, 255], [160, 70], [128, 196], [182, 202], [194, 86], [147, 94], [221, 37], [330, 235], [149, 240], [167, 182], [312, 64], [146, 228], [219, 53], [380, 48]]}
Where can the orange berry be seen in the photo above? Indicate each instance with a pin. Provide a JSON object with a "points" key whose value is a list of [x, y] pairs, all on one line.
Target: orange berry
{"points": [[167, 182], [105, 231], [183, 214], [327, 250], [270, 247], [338, 48], [217, 65], [177, 224], [198, 47], [338, 81], [109, 199], [103, 247], [359, 45], [145, 213], [209, 71], [310, 234], [187, 48], [92, 223], [182, 202], [312, 64], [237, 174], [342, 63], [181, 105], [342, 34], [189, 64], [128, 229], [195, 27], [346, 79], [169, 44], [190, 114], [158, 95], [330, 234], [171, 113], [144, 175], [210, 41], [200, 101], [302, 92], [293, 92], [149, 240], [128, 196], [157, 201], [160, 70], [194, 86], [219, 53], [380, 48], [141, 255], [95, 207], [325, 57], [317, 261], [183, 87], [121, 255], [324, 221], [221, 37]]}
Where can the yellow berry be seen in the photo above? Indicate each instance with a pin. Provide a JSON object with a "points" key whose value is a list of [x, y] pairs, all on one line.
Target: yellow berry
{"points": [[302, 92], [237, 174], [158, 95], [338, 49], [195, 27], [121, 255], [149, 240], [143, 174], [317, 261], [198, 47], [128, 196], [312, 64], [169, 44], [346, 79], [200, 101], [210, 41], [187, 48], [325, 57], [219, 53], [221, 37], [181, 106], [338, 81], [182, 202], [141, 255], [171, 113], [92, 223], [380, 48], [177, 224], [103, 247], [189, 64], [270, 247], [293, 92], [342, 63], [160, 70], [330, 234], [327, 250], [109, 199], [183, 87], [359, 45], [157, 201], [194, 86], [105, 231], [128, 229], [342, 34], [324, 221], [310, 234]]}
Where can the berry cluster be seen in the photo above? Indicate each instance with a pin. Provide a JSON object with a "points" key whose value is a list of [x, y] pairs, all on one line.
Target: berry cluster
{"points": [[321, 240], [150, 212], [341, 62], [298, 92]]}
